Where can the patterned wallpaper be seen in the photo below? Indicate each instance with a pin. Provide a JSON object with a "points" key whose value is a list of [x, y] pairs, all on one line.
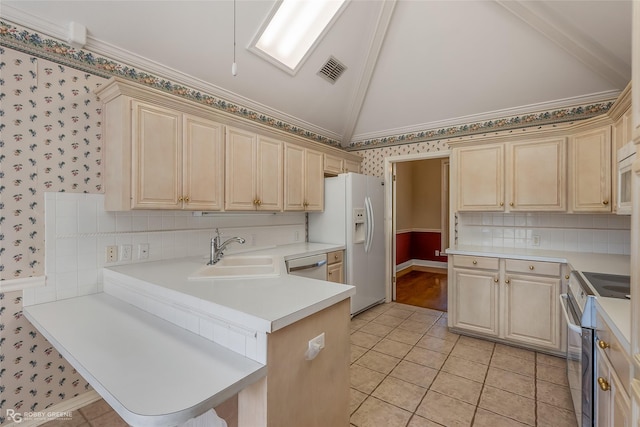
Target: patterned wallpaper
{"points": [[373, 159], [51, 141]]}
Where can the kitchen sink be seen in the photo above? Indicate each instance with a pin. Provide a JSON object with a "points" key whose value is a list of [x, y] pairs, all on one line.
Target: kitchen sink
{"points": [[239, 267]]}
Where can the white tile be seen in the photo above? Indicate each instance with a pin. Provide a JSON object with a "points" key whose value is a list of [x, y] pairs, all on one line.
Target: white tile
{"points": [[66, 208], [192, 323], [601, 221], [221, 335], [168, 223], [236, 342], [28, 297], [207, 329], [87, 260], [251, 347], [87, 276], [88, 289], [45, 294], [124, 224], [66, 225], [66, 264], [106, 223], [66, 285], [154, 223], [140, 223]]}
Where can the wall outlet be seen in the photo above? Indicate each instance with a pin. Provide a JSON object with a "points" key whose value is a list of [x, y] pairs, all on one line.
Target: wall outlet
{"points": [[535, 240], [143, 251], [296, 236], [319, 341], [125, 252], [111, 254], [437, 252]]}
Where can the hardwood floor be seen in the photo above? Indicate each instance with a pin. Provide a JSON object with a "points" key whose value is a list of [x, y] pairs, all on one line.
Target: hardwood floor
{"points": [[423, 287]]}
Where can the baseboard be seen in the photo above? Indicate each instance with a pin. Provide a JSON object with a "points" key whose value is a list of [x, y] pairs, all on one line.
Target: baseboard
{"points": [[36, 418], [420, 263]]}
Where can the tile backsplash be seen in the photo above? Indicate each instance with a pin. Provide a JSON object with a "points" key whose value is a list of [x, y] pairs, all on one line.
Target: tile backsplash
{"points": [[598, 233], [78, 231]]}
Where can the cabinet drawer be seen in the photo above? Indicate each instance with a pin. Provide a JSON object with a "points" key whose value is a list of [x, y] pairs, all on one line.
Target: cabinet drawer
{"points": [[533, 267], [614, 351], [334, 257], [475, 262]]}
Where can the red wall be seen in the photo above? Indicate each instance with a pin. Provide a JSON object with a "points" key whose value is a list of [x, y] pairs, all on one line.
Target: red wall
{"points": [[420, 245]]}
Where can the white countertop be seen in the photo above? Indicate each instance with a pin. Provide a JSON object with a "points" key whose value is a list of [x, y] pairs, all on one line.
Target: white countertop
{"points": [[617, 313], [581, 261], [150, 371], [264, 304]]}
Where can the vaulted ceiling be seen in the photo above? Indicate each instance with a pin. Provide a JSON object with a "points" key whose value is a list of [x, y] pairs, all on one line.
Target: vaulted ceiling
{"points": [[411, 65]]}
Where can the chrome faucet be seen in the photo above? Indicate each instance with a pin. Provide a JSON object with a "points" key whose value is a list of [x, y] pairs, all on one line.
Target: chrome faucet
{"points": [[217, 247]]}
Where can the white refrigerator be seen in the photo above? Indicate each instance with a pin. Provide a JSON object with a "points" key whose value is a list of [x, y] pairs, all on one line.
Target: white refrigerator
{"points": [[353, 216]]}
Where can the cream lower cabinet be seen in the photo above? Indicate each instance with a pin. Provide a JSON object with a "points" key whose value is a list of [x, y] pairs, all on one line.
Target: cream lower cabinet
{"points": [[497, 298], [612, 403], [590, 171], [254, 172], [335, 267], [473, 303], [303, 179]]}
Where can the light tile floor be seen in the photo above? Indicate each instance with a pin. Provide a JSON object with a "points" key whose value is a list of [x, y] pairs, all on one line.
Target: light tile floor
{"points": [[96, 414], [407, 369]]}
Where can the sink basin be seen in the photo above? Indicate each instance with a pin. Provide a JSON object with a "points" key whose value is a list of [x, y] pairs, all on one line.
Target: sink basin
{"points": [[239, 267]]}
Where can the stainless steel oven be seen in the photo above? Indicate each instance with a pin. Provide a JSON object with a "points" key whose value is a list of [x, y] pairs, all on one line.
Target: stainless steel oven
{"points": [[578, 308]]}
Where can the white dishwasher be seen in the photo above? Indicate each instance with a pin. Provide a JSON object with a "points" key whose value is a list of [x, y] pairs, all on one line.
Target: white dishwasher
{"points": [[313, 267]]}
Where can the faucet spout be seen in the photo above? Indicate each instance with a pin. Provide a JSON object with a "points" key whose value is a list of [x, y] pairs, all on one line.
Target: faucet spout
{"points": [[217, 248]]}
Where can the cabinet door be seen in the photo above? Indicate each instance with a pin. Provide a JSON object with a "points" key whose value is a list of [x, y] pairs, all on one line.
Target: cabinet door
{"points": [[269, 175], [156, 157], [203, 164], [240, 170], [620, 405], [530, 297], [351, 166], [332, 165], [590, 171], [335, 273], [536, 175], [475, 305], [480, 178], [294, 185], [602, 393], [314, 181]]}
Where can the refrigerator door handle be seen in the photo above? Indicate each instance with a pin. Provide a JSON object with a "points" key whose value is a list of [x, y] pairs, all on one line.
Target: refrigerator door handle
{"points": [[370, 225]]}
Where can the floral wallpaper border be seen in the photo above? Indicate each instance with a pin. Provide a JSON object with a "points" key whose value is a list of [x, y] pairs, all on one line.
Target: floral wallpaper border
{"points": [[527, 120], [32, 43]]}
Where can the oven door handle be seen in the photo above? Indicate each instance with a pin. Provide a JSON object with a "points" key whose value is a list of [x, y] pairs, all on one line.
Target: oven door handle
{"points": [[565, 310]]}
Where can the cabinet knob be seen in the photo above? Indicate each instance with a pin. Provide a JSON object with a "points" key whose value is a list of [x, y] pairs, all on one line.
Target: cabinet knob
{"points": [[186, 199], [501, 203], [496, 280], [330, 273], [259, 202], [604, 384], [507, 281], [255, 201], [605, 202], [566, 276], [603, 344], [511, 204], [531, 267], [335, 256], [305, 204], [180, 199], [475, 262]]}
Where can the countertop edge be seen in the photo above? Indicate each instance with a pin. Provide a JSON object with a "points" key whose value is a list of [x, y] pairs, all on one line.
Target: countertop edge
{"points": [[132, 418]]}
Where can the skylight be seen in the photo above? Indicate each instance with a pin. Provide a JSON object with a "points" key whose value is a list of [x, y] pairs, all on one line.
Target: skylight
{"points": [[293, 30]]}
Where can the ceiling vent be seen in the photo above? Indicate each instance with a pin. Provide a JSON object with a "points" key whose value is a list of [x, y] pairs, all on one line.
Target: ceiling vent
{"points": [[331, 70]]}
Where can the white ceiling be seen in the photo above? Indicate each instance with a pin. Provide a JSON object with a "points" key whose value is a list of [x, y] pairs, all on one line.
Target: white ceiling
{"points": [[411, 65]]}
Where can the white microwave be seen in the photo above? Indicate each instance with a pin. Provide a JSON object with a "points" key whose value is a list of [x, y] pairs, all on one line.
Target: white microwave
{"points": [[626, 157]]}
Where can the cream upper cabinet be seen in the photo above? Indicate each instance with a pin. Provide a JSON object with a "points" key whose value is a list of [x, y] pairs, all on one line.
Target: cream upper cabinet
{"points": [[351, 166], [333, 165], [176, 160], [590, 171], [480, 177], [203, 154], [536, 175], [620, 135], [303, 179], [254, 167]]}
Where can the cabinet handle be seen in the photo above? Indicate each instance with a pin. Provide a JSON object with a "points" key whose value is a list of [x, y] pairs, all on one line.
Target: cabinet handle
{"points": [[501, 203], [186, 199], [511, 204], [603, 345], [604, 384], [496, 280], [255, 201], [330, 273], [475, 262], [531, 267], [305, 204], [507, 281], [259, 202], [606, 202], [566, 276], [180, 199], [335, 256]]}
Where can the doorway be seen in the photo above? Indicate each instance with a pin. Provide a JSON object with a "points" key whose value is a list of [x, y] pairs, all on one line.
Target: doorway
{"points": [[418, 207]]}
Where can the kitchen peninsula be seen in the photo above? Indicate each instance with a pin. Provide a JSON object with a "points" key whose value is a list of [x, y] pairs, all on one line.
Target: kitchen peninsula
{"points": [[137, 342]]}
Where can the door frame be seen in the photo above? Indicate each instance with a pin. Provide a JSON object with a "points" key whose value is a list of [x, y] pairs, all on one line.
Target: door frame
{"points": [[390, 211]]}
